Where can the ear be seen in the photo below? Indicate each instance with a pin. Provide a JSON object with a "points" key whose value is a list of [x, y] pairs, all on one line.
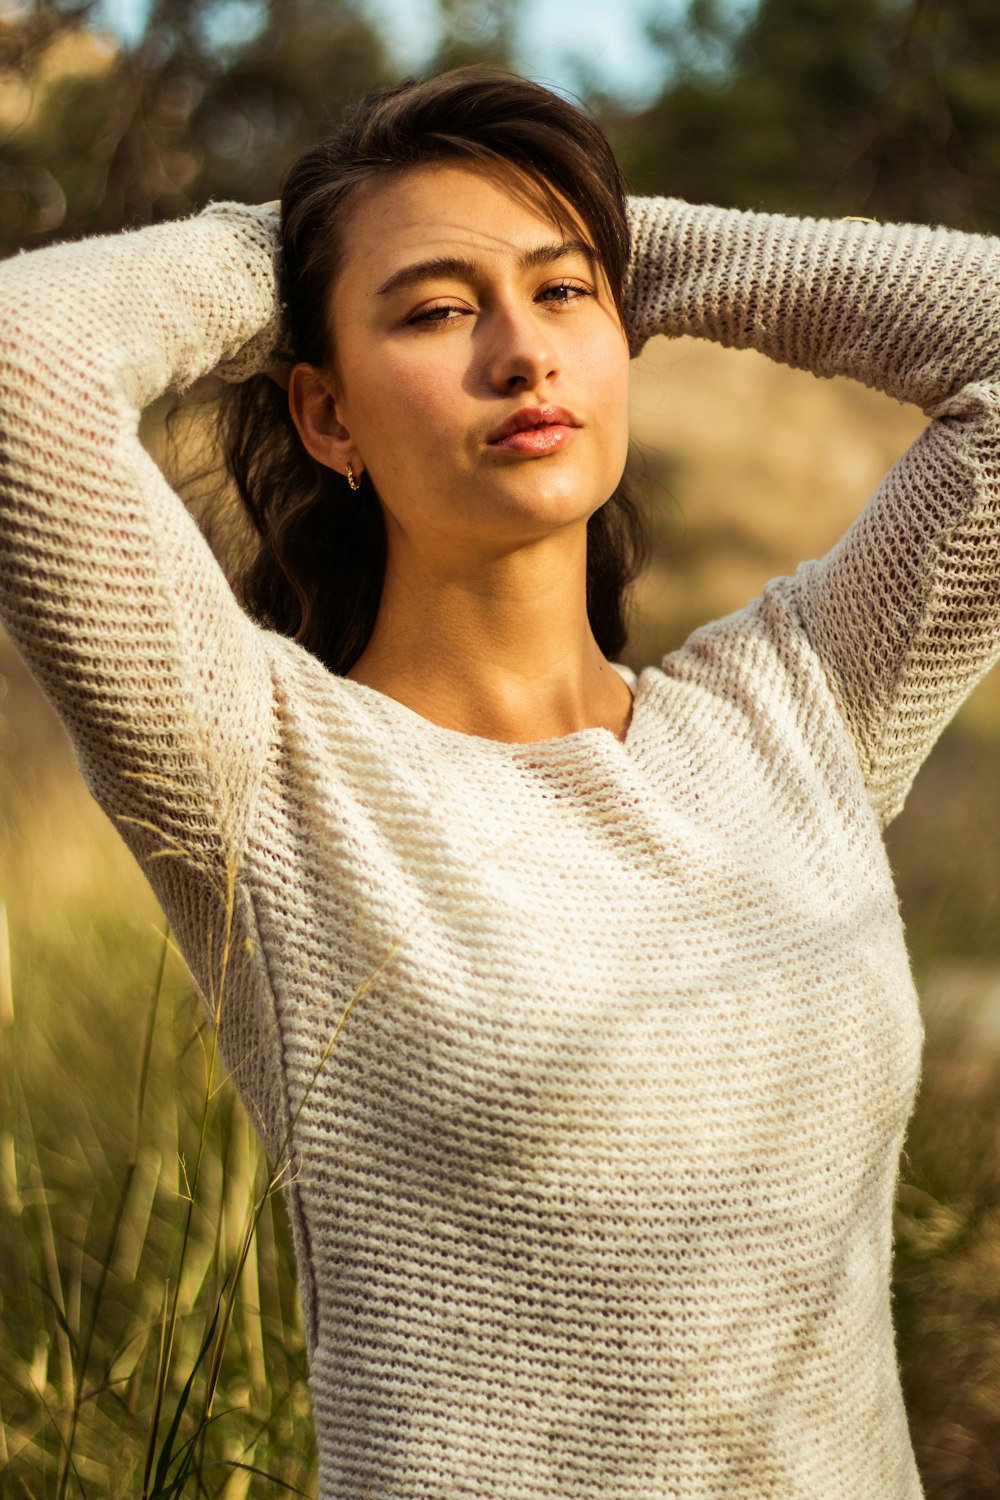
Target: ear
{"points": [[313, 405]]}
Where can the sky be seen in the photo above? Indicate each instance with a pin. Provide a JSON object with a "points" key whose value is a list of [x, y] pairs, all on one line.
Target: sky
{"points": [[553, 36]]}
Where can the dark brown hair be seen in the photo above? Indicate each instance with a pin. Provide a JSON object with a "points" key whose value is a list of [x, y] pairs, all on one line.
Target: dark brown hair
{"points": [[318, 571]]}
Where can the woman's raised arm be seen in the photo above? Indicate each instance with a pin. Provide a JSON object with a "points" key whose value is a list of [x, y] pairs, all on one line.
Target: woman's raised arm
{"points": [[905, 611], [106, 584]]}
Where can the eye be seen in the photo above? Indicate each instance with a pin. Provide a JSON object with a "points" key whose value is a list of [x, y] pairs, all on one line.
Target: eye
{"points": [[445, 312], [564, 292]]}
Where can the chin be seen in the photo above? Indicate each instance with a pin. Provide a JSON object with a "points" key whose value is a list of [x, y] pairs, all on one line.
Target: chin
{"points": [[538, 515], [549, 499]]}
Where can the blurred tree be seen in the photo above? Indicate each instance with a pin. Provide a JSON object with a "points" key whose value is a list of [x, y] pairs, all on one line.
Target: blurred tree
{"points": [[267, 100], [881, 107], [888, 108], [475, 31], [213, 100]]}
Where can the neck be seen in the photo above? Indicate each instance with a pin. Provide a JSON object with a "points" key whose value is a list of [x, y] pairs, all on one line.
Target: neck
{"points": [[498, 647]]}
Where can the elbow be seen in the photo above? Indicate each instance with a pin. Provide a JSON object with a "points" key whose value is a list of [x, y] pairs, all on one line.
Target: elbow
{"points": [[976, 403]]}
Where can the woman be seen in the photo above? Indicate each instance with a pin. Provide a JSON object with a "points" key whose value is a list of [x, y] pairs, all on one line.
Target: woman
{"points": [[579, 1005]]}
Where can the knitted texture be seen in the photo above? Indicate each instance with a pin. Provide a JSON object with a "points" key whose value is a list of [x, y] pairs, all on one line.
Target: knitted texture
{"points": [[592, 1186]]}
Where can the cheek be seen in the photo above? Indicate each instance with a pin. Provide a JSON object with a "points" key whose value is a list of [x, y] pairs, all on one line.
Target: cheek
{"points": [[605, 371], [399, 411]]}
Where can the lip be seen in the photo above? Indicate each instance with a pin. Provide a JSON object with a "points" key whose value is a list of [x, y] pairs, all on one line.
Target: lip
{"points": [[545, 423]]}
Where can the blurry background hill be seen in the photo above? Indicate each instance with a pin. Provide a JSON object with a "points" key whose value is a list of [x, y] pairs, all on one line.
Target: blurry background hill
{"points": [[118, 115]]}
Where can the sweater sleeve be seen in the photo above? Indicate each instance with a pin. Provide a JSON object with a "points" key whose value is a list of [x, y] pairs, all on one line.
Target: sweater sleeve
{"points": [[904, 612], [106, 585]]}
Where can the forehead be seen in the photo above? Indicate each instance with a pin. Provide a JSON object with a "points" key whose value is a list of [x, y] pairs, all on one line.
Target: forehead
{"points": [[440, 209]]}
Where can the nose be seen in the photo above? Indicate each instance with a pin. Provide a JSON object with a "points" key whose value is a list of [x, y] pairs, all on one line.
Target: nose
{"points": [[521, 353]]}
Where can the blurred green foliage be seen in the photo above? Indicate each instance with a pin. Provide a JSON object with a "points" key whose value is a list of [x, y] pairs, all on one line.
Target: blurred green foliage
{"points": [[883, 108], [213, 101], [887, 108]]}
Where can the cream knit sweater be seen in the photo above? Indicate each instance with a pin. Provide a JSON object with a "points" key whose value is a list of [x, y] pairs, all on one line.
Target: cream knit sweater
{"points": [[592, 1192]]}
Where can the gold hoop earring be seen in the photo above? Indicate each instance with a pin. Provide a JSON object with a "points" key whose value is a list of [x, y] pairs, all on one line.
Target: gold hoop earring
{"points": [[352, 479]]}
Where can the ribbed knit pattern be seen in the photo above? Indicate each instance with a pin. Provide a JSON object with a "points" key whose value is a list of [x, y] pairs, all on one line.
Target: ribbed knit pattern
{"points": [[592, 1189]]}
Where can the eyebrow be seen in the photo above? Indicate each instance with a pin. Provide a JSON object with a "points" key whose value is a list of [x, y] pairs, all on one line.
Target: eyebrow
{"points": [[461, 269]]}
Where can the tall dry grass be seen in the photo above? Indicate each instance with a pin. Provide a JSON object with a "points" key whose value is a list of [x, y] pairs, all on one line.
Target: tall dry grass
{"points": [[152, 1343], [109, 1259]]}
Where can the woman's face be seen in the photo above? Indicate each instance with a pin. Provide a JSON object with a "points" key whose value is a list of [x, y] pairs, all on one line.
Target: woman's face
{"points": [[481, 366]]}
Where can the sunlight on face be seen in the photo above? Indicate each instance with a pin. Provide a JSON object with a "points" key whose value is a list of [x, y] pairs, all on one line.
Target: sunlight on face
{"points": [[481, 366]]}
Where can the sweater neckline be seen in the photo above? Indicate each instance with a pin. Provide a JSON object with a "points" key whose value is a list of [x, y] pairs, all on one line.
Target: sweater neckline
{"points": [[595, 734]]}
